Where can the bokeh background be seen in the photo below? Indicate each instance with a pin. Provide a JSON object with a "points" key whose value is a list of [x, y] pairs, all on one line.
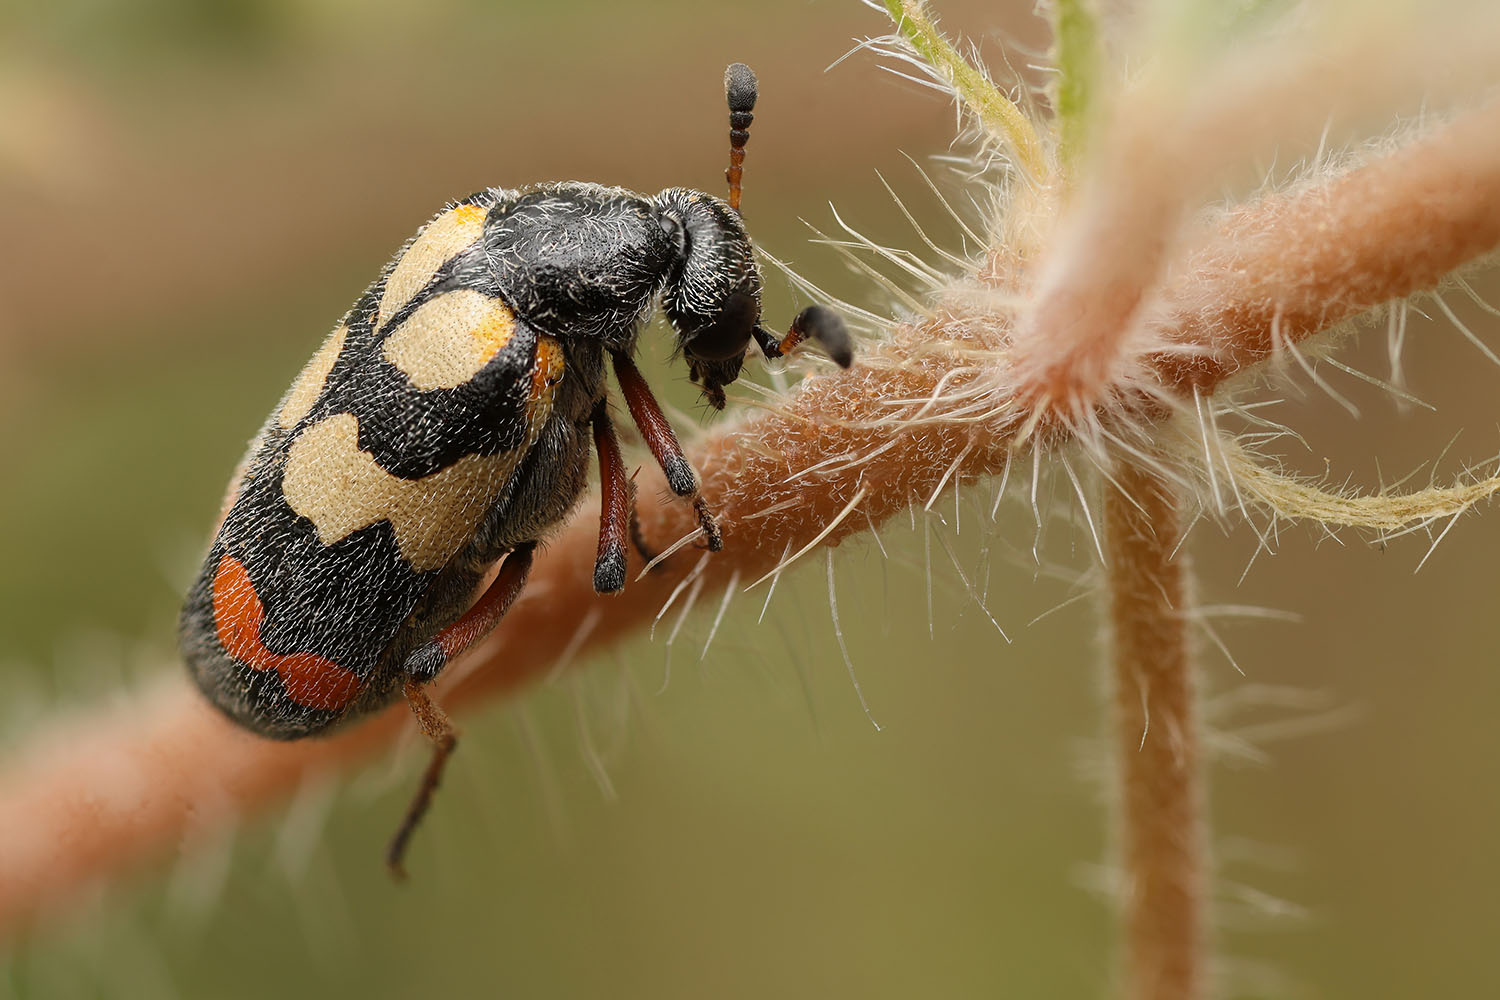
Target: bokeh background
{"points": [[191, 193]]}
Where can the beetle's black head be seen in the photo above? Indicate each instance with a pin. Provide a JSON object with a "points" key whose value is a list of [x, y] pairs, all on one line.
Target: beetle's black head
{"points": [[712, 297]]}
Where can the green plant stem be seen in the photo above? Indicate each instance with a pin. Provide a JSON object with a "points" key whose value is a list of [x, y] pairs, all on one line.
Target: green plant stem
{"points": [[1075, 34], [999, 115]]}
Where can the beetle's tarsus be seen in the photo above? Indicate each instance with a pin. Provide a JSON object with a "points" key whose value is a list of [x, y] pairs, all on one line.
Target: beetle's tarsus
{"points": [[680, 476], [710, 525], [609, 571], [426, 662], [437, 727]]}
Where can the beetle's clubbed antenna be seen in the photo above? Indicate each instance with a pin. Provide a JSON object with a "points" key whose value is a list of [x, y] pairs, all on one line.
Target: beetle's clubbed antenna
{"points": [[740, 89]]}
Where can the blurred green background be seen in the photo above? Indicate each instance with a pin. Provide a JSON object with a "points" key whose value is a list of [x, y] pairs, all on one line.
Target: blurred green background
{"points": [[190, 195]]}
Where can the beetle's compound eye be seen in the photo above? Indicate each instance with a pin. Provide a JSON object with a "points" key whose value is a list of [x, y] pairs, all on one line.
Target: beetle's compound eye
{"points": [[728, 334]]}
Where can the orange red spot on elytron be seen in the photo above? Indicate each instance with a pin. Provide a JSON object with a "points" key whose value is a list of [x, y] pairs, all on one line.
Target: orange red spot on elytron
{"points": [[548, 370], [311, 680]]}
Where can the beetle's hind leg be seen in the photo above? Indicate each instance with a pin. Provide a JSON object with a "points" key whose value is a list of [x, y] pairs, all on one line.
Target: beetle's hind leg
{"points": [[438, 728], [425, 663]]}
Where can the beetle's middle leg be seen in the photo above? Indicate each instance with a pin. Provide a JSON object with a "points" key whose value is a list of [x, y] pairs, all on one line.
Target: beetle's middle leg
{"points": [[662, 441], [425, 663], [617, 518], [616, 504]]}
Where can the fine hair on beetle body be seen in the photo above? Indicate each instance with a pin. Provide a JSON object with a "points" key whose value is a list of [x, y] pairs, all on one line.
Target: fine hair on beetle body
{"points": [[446, 425]]}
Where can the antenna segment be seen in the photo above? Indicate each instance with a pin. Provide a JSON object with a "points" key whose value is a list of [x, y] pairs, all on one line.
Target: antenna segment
{"points": [[740, 90]]}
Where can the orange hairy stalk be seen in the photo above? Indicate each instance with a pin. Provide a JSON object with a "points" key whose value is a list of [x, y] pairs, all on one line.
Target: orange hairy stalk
{"points": [[1157, 762]]}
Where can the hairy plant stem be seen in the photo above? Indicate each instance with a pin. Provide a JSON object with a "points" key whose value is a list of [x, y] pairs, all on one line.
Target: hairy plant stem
{"points": [[92, 798], [1154, 734]]}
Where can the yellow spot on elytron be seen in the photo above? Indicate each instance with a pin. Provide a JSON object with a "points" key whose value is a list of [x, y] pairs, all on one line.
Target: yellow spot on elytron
{"points": [[445, 342], [309, 385], [441, 239], [340, 488]]}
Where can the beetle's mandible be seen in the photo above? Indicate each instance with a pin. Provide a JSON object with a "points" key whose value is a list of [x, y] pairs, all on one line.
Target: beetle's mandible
{"points": [[445, 425]]}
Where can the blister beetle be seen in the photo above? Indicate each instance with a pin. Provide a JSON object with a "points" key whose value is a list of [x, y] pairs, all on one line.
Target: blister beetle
{"points": [[445, 425]]}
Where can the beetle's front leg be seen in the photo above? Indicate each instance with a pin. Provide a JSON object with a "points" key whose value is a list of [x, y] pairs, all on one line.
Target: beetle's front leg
{"points": [[813, 323], [425, 663], [660, 438]]}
